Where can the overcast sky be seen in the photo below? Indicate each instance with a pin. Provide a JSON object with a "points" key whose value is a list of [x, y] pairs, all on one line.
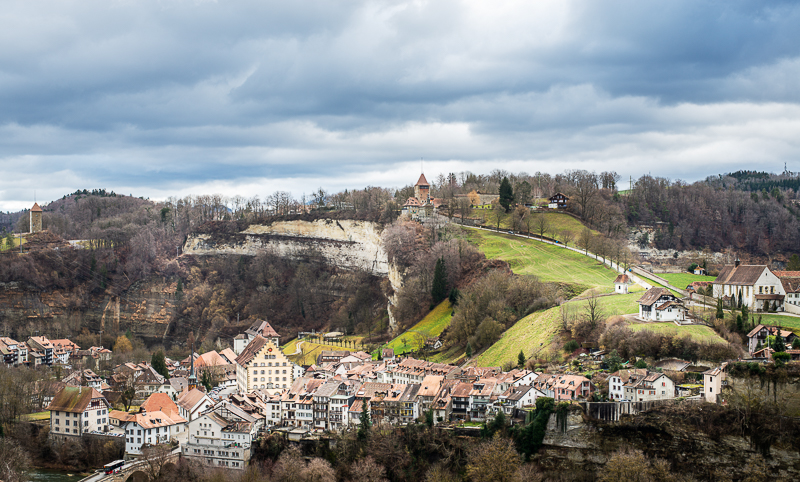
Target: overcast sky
{"points": [[175, 97]]}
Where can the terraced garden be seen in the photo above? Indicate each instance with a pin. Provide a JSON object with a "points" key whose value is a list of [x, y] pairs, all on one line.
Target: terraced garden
{"points": [[549, 263], [311, 349]]}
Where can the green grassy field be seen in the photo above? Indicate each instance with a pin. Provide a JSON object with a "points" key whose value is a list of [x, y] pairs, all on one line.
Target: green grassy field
{"points": [[534, 333], [699, 333], [788, 322], [557, 221], [682, 280], [31, 417], [549, 263], [311, 349], [432, 325], [15, 242]]}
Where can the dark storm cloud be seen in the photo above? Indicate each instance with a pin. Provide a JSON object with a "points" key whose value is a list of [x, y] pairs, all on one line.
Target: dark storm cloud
{"points": [[172, 97]]}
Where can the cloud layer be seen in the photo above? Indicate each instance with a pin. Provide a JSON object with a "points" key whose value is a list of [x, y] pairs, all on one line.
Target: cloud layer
{"points": [[172, 97]]}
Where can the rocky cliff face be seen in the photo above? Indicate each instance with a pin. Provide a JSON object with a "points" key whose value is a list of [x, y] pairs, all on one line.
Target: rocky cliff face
{"points": [[348, 244], [584, 447], [146, 309]]}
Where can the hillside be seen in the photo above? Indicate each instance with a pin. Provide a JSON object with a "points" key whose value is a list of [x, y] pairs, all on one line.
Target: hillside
{"points": [[549, 263], [432, 325]]}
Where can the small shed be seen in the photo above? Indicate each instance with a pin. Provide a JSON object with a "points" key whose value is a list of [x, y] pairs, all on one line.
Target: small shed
{"points": [[622, 283]]}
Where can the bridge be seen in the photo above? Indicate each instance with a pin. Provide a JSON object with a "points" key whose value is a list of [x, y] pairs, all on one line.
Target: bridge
{"points": [[139, 470]]}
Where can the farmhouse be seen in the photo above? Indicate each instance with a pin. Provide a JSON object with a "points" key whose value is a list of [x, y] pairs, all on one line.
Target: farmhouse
{"points": [[659, 304], [558, 201], [755, 286]]}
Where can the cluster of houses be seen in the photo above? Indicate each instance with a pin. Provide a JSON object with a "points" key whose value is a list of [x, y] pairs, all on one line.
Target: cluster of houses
{"points": [[759, 288], [41, 351]]}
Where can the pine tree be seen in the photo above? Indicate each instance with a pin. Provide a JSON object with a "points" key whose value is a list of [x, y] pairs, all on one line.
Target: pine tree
{"points": [[794, 263], [468, 351], [745, 315], [720, 314], [364, 422], [733, 301], [779, 344], [506, 194], [521, 359], [739, 324], [439, 288], [739, 299], [159, 363]]}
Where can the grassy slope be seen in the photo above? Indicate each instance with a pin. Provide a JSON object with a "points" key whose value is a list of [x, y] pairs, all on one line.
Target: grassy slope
{"points": [[558, 221], [788, 322], [698, 333], [534, 333], [682, 280], [432, 325], [549, 263], [14, 244]]}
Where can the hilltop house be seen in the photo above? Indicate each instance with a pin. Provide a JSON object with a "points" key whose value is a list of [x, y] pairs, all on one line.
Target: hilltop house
{"points": [[755, 286], [558, 201], [659, 304]]}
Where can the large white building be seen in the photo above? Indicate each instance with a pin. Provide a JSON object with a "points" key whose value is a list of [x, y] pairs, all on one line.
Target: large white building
{"points": [[259, 328], [263, 366], [222, 437], [75, 411], [754, 285]]}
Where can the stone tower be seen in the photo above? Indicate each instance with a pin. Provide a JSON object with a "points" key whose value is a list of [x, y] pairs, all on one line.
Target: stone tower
{"points": [[36, 218], [422, 190]]}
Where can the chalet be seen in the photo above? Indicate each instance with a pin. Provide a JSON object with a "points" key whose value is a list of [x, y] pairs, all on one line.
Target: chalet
{"points": [[758, 337], [558, 201], [755, 286], [622, 283], [75, 411], [659, 304]]}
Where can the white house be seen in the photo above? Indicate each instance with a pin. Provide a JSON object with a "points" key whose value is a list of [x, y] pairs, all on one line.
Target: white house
{"points": [[754, 285], [713, 381], [149, 428], [617, 381], [192, 402], [517, 397], [659, 304], [622, 283], [75, 411], [222, 437], [652, 386]]}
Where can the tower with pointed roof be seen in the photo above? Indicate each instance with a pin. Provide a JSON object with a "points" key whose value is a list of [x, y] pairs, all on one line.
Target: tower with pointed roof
{"points": [[422, 190], [36, 218]]}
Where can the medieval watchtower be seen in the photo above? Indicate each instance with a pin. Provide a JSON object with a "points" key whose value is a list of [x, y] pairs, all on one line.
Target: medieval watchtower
{"points": [[422, 190], [36, 218]]}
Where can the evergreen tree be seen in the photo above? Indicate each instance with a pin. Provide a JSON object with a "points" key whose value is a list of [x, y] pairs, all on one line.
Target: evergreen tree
{"points": [[521, 359], [739, 299], [455, 294], [745, 316], [468, 351], [506, 194], [613, 361], [720, 314], [796, 344], [206, 381], [159, 363], [733, 301], [439, 288], [739, 324], [364, 422], [794, 263], [779, 344]]}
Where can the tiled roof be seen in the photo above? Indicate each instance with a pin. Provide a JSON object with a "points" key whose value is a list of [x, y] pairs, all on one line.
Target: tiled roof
{"points": [[623, 278], [742, 275], [652, 295], [154, 419], [74, 399], [263, 328], [189, 399], [422, 181], [160, 402], [36, 208], [791, 285], [255, 346], [787, 274]]}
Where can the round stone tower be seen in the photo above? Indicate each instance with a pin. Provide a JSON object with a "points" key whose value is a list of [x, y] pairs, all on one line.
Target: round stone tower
{"points": [[36, 218]]}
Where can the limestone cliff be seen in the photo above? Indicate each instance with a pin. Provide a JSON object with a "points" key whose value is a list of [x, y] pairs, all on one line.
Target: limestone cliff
{"points": [[348, 244]]}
